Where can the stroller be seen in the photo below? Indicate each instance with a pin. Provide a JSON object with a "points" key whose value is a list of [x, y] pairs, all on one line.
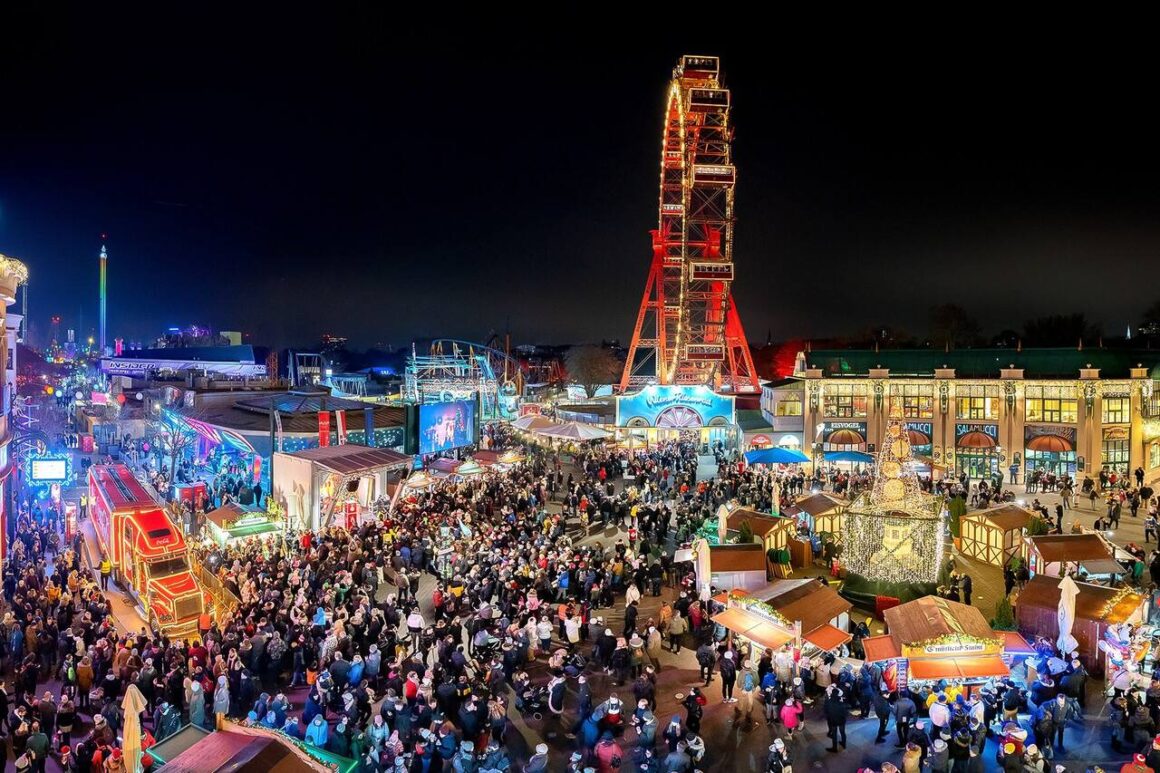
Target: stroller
{"points": [[574, 665], [532, 700]]}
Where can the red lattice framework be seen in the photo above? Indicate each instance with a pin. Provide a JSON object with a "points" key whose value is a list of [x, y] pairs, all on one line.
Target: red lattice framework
{"points": [[688, 330]]}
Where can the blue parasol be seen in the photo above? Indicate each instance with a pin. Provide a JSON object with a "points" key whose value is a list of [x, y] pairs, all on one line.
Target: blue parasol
{"points": [[776, 455]]}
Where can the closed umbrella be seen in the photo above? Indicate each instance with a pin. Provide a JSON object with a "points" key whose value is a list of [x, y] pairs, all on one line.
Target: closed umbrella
{"points": [[133, 704], [1065, 613]]}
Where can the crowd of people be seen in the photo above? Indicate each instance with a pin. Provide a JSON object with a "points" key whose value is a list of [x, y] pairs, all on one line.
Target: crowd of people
{"points": [[413, 644]]}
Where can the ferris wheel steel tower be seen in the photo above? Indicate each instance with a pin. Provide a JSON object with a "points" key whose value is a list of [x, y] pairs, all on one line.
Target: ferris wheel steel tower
{"points": [[688, 330]]}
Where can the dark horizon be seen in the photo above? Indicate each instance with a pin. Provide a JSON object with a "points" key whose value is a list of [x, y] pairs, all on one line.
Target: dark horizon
{"points": [[388, 181]]}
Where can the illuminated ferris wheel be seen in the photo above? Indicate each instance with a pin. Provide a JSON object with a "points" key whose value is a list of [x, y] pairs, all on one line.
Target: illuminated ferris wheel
{"points": [[688, 330]]}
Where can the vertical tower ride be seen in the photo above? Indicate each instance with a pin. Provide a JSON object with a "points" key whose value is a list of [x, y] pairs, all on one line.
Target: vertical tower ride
{"points": [[104, 292], [688, 330]]}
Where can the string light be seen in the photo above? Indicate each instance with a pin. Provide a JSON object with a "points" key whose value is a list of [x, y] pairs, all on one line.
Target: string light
{"points": [[895, 532]]}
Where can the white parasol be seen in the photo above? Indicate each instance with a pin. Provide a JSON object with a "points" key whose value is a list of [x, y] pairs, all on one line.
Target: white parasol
{"points": [[1065, 614]]}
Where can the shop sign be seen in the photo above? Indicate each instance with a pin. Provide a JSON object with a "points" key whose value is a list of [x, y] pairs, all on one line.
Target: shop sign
{"points": [[675, 406], [959, 648], [920, 435], [991, 430], [844, 436]]}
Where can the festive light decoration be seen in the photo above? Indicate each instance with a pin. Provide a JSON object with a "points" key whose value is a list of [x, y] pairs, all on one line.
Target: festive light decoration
{"points": [[948, 639], [759, 607], [895, 532], [1114, 601]]}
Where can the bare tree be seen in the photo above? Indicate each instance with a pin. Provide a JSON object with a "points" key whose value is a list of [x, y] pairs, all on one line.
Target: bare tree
{"points": [[173, 436], [592, 367]]}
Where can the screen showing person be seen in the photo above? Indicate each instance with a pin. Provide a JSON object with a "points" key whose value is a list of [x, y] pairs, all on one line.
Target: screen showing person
{"points": [[444, 426]]}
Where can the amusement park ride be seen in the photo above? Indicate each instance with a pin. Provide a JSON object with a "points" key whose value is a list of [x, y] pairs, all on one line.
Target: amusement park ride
{"points": [[688, 331]]}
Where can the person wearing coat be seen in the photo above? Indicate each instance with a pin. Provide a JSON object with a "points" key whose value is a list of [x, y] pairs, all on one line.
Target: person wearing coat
{"points": [[197, 705], [912, 759], [608, 753], [645, 723], [221, 700], [791, 715], [318, 733]]}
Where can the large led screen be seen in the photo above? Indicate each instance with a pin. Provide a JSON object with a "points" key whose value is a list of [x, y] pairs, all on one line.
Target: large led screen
{"points": [[443, 426]]}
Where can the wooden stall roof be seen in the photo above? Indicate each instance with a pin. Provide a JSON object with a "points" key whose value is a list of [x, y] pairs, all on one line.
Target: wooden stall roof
{"points": [[1006, 517], [761, 523], [737, 558], [827, 637], [753, 627], [229, 513], [1043, 592], [1070, 547], [932, 616], [809, 601], [879, 648], [820, 502]]}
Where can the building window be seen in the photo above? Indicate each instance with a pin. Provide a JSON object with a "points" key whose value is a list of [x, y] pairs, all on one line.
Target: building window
{"points": [[1117, 410], [915, 401], [845, 401], [1050, 404], [1114, 455], [789, 406], [978, 401], [1154, 455]]}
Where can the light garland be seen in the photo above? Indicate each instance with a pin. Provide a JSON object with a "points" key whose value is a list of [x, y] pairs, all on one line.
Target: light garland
{"points": [[751, 604], [956, 638], [895, 532], [1114, 601]]}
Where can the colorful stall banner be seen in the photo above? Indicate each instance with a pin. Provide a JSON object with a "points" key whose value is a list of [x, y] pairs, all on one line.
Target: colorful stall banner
{"points": [[323, 429], [976, 435], [675, 407], [844, 436], [340, 421]]}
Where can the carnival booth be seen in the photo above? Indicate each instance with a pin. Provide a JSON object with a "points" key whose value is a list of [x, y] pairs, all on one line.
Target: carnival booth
{"points": [[1098, 610], [995, 535], [1054, 555], [933, 638], [233, 522], [336, 485], [805, 613], [822, 512], [729, 566]]}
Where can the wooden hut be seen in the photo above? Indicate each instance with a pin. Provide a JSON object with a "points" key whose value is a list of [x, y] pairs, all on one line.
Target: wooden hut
{"points": [[1096, 608], [932, 638], [1056, 554], [994, 535], [771, 531], [730, 566], [822, 512]]}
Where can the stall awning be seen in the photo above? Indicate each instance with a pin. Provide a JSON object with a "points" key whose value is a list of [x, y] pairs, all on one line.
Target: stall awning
{"points": [[979, 667], [827, 637], [753, 627], [1015, 644], [879, 648], [1102, 566]]}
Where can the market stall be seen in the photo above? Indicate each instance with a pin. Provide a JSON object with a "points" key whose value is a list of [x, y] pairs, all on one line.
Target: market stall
{"points": [[805, 613], [729, 566], [1097, 608], [932, 638], [1054, 555], [233, 522], [821, 513], [994, 535], [772, 532], [321, 487]]}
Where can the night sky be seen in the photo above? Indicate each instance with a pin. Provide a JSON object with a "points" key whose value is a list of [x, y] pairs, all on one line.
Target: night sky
{"points": [[384, 179]]}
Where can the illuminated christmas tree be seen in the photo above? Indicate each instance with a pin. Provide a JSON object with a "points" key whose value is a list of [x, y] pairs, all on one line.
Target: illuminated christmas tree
{"points": [[894, 532]]}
